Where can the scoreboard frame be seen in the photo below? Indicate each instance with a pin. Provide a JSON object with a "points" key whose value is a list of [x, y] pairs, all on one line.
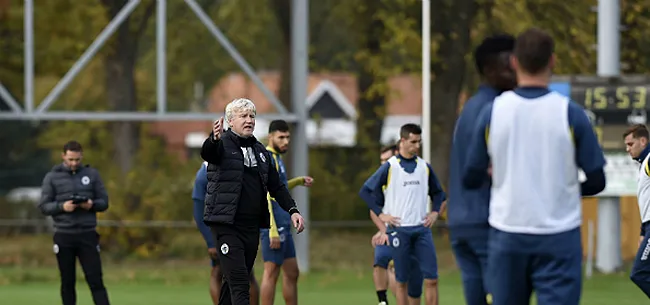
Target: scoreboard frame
{"points": [[612, 100]]}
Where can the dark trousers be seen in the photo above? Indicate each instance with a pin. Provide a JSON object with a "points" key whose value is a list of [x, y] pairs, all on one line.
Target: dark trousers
{"points": [[550, 265], [237, 248], [472, 257], [85, 246], [640, 274]]}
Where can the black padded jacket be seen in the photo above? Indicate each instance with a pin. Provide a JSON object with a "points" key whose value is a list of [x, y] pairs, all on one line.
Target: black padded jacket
{"points": [[225, 172]]}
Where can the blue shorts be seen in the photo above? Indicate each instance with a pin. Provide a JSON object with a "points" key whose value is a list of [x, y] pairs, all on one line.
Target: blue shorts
{"points": [[551, 265], [413, 242], [383, 257], [287, 249]]}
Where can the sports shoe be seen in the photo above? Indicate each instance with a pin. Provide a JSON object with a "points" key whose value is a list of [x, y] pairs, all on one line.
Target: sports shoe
{"points": [[382, 303]]}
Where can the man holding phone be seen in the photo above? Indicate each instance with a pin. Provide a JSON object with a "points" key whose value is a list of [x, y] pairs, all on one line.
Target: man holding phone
{"points": [[72, 194]]}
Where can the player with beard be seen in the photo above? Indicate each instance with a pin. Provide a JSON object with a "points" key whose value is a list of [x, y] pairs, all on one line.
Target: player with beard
{"points": [[278, 250]]}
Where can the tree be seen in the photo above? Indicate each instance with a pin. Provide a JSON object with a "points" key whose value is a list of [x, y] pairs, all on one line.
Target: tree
{"points": [[120, 79], [452, 21], [635, 18], [144, 181], [371, 80], [282, 12], [574, 41], [23, 163]]}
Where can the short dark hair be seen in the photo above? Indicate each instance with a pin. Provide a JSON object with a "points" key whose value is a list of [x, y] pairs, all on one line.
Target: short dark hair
{"points": [[637, 131], [278, 125], [533, 50], [72, 146], [386, 148], [409, 129], [490, 47]]}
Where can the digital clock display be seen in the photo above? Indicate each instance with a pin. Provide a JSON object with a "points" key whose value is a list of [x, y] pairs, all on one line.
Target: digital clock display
{"points": [[611, 97]]}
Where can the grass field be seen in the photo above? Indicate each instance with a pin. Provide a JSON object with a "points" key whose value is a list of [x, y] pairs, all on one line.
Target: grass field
{"points": [[188, 286], [341, 276]]}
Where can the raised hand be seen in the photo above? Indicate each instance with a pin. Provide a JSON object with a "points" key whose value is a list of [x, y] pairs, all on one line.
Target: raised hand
{"points": [[217, 128]]}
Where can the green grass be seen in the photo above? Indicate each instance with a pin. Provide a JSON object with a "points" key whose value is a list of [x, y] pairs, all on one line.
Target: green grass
{"points": [[341, 276], [162, 285]]}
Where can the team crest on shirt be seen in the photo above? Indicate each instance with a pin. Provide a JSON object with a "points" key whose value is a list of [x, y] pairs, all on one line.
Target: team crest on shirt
{"points": [[225, 249], [262, 157], [85, 180]]}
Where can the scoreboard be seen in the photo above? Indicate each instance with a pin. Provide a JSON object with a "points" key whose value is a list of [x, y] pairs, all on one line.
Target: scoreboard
{"points": [[611, 102], [612, 105]]}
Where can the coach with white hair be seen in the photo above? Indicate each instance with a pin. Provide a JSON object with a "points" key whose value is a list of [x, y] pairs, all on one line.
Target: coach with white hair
{"points": [[239, 176]]}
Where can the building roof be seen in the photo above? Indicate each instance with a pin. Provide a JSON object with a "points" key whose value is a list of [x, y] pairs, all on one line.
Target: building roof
{"points": [[404, 105], [405, 96]]}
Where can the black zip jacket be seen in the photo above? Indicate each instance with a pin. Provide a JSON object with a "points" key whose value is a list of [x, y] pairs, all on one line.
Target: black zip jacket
{"points": [[59, 185], [225, 173]]}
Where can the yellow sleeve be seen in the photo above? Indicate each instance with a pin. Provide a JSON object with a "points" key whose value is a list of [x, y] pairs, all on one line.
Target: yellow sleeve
{"points": [[295, 182], [273, 231]]}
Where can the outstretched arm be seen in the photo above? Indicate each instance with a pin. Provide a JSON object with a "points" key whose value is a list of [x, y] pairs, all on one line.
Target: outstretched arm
{"points": [[295, 182]]}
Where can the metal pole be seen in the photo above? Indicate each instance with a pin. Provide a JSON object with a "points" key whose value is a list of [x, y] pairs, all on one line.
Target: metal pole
{"points": [[426, 80], [9, 99], [243, 64], [608, 38], [28, 29], [161, 58], [589, 266], [608, 247], [88, 55], [300, 149]]}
